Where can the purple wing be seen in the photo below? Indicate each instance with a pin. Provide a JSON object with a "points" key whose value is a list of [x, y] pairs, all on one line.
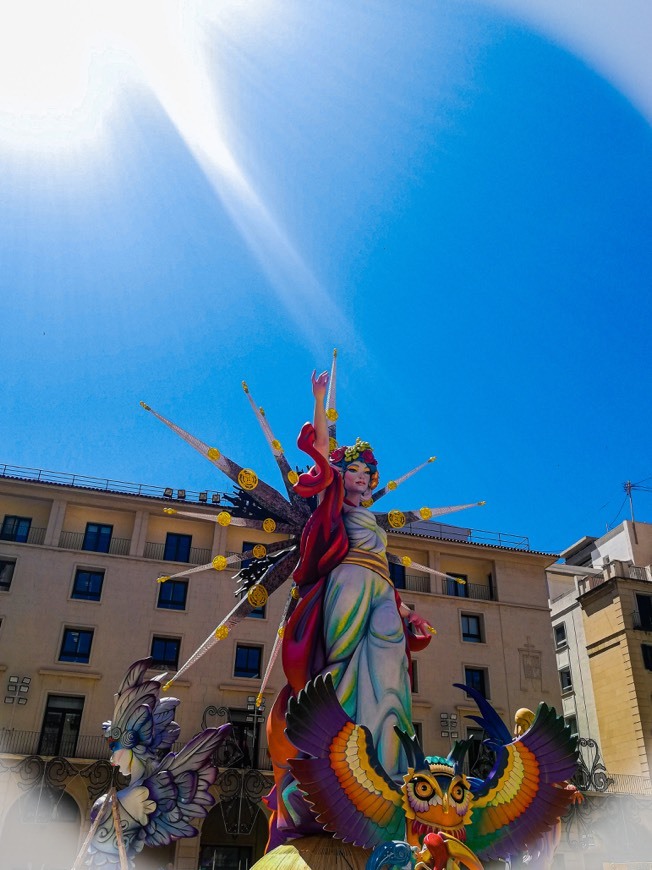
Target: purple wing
{"points": [[344, 783], [180, 788]]}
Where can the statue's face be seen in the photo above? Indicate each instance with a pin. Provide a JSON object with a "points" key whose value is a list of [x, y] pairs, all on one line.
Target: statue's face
{"points": [[356, 478]]}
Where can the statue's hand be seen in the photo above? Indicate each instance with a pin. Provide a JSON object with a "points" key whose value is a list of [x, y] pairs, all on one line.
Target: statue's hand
{"points": [[319, 385], [421, 626]]}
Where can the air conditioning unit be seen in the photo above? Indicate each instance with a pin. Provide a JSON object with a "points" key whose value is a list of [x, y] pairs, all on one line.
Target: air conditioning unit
{"points": [[605, 561]]}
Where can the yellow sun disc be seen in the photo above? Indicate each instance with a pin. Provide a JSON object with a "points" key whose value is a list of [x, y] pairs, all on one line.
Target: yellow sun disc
{"points": [[223, 518], [219, 563], [163, 579], [396, 519], [248, 479], [406, 561], [222, 632], [269, 525], [293, 477], [281, 631], [257, 596], [259, 551], [332, 414], [367, 503], [276, 444], [169, 511], [332, 445], [425, 513], [213, 453], [295, 592]]}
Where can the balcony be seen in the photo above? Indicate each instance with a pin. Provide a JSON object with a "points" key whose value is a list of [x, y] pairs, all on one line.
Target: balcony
{"points": [[33, 743], [475, 591], [196, 555], [75, 541], [34, 536]]}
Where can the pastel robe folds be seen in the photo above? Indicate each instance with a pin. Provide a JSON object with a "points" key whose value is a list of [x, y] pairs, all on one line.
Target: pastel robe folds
{"points": [[347, 623]]}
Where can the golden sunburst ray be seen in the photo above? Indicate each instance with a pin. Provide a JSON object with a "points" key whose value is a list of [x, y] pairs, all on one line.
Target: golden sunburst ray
{"points": [[245, 478], [331, 406], [221, 563], [391, 485], [396, 519], [256, 596], [225, 518], [289, 476], [408, 562]]}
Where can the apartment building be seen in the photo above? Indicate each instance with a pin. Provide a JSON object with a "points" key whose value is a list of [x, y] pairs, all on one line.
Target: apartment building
{"points": [[79, 601], [601, 607]]}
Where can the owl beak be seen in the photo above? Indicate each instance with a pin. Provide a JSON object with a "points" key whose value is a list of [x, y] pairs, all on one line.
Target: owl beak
{"points": [[445, 802]]}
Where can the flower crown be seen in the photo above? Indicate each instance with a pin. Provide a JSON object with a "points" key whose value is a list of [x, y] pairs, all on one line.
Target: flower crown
{"points": [[361, 450]]}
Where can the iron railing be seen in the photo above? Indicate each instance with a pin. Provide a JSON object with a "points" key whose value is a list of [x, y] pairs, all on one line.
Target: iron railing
{"points": [[476, 591], [34, 743], [196, 556], [75, 541], [82, 481], [34, 536]]}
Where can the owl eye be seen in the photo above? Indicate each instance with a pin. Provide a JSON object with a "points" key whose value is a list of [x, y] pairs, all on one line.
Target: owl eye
{"points": [[457, 793], [423, 789]]}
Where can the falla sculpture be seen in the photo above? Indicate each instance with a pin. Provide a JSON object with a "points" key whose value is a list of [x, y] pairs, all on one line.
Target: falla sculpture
{"points": [[345, 640], [167, 790]]}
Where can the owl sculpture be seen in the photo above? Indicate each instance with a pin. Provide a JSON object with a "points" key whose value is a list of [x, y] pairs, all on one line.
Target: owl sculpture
{"points": [[473, 819], [167, 790]]}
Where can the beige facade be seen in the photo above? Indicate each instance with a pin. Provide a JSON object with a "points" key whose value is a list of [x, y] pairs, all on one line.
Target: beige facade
{"points": [[79, 602], [601, 606]]}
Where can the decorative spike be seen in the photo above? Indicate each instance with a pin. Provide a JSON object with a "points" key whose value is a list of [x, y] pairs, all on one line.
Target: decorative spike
{"points": [[265, 494], [397, 519], [331, 405], [393, 484], [277, 451]]}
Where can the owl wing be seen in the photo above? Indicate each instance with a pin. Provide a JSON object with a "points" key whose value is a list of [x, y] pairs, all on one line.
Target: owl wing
{"points": [[344, 783], [521, 798]]}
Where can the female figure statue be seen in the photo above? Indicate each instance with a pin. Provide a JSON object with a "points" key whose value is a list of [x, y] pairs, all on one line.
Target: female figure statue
{"points": [[350, 621]]}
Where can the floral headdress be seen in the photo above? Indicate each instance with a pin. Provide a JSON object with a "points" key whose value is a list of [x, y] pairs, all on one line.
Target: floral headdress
{"points": [[361, 451]]}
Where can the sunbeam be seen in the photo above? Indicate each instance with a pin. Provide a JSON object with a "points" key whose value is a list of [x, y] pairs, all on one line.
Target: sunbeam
{"points": [[63, 65]]}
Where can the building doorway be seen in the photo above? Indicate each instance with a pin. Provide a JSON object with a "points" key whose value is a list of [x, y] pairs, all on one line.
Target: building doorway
{"points": [[60, 728]]}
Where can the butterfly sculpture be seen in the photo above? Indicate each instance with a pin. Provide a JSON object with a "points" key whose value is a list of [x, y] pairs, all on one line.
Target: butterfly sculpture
{"points": [[167, 789], [473, 819]]}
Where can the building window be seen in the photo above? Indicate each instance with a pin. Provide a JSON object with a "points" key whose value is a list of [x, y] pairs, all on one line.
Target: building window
{"points": [[6, 573], [560, 635], [87, 585], [452, 587], [397, 575], [571, 722], [172, 595], [476, 678], [76, 645], [15, 529], [472, 628], [165, 652], [565, 681], [644, 612], [248, 661], [415, 676], [97, 537], [418, 732], [60, 727], [646, 649], [177, 547]]}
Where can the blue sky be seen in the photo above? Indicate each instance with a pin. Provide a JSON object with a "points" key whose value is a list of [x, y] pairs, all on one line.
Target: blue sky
{"points": [[457, 197]]}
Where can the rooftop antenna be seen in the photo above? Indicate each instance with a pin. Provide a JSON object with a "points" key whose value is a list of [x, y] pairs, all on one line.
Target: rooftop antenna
{"points": [[628, 486]]}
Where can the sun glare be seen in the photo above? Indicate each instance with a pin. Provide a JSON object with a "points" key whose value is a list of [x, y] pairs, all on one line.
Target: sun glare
{"points": [[63, 66]]}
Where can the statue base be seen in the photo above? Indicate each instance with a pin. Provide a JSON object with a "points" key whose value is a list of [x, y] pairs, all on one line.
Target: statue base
{"points": [[314, 853]]}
